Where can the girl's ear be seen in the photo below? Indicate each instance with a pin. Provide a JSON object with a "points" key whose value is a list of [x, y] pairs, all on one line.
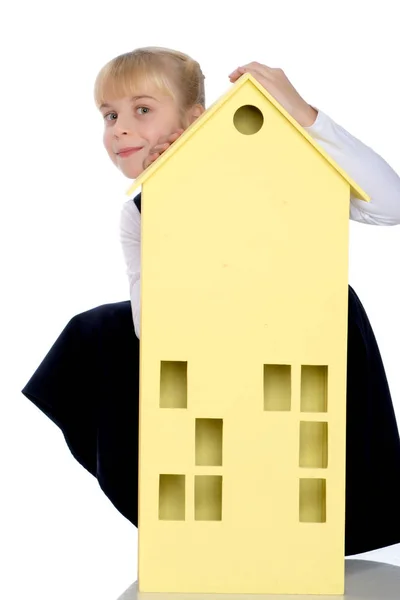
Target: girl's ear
{"points": [[194, 113], [198, 110], [190, 115]]}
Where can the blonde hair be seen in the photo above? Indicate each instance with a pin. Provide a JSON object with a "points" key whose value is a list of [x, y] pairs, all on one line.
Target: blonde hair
{"points": [[173, 73]]}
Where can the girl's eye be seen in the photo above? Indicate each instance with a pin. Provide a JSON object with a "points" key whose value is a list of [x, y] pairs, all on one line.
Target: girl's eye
{"points": [[144, 108]]}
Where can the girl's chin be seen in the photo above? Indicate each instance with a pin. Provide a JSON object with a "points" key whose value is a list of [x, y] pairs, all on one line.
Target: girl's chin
{"points": [[133, 173]]}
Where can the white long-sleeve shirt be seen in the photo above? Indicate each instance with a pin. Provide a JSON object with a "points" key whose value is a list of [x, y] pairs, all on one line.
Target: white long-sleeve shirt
{"points": [[369, 170]]}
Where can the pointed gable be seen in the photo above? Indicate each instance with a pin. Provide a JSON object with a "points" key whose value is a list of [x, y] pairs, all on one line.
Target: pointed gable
{"points": [[246, 80]]}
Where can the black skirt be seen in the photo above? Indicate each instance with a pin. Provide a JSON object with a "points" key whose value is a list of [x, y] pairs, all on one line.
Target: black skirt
{"points": [[88, 384]]}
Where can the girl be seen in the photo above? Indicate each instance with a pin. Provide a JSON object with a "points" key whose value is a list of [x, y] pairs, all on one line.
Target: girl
{"points": [[88, 383]]}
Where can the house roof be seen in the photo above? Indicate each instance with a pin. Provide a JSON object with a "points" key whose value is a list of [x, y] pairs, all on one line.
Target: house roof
{"points": [[200, 121]]}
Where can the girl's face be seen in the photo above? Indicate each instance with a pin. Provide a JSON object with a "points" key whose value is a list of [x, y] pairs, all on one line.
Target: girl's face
{"points": [[137, 122]]}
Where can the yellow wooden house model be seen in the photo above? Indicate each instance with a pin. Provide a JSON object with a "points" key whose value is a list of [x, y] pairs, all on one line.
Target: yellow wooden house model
{"points": [[244, 287]]}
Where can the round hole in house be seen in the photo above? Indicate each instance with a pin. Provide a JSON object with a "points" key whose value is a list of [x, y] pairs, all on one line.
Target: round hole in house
{"points": [[248, 119]]}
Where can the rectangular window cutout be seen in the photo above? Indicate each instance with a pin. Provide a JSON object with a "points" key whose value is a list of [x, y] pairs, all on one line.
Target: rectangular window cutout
{"points": [[209, 442], [312, 500], [171, 506], [208, 498], [277, 387], [313, 445], [173, 384], [314, 388]]}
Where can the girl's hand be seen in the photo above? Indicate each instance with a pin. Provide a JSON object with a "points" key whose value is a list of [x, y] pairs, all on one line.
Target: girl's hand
{"points": [[279, 86], [163, 143]]}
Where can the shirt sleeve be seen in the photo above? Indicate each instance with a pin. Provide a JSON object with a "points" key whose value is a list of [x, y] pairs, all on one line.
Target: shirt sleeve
{"points": [[130, 230], [369, 170]]}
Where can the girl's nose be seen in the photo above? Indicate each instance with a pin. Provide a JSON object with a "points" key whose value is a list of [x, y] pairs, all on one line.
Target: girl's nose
{"points": [[123, 127], [118, 130]]}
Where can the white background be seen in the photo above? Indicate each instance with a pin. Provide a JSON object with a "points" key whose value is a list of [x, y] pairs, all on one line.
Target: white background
{"points": [[60, 204]]}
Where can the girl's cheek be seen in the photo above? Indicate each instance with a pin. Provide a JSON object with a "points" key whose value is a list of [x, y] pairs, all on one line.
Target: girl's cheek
{"points": [[106, 139], [107, 142]]}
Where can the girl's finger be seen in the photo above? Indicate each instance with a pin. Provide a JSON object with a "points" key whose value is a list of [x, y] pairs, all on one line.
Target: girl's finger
{"points": [[261, 77], [174, 136], [162, 146], [253, 68], [159, 147], [258, 67], [150, 159], [257, 73], [165, 139], [235, 72]]}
